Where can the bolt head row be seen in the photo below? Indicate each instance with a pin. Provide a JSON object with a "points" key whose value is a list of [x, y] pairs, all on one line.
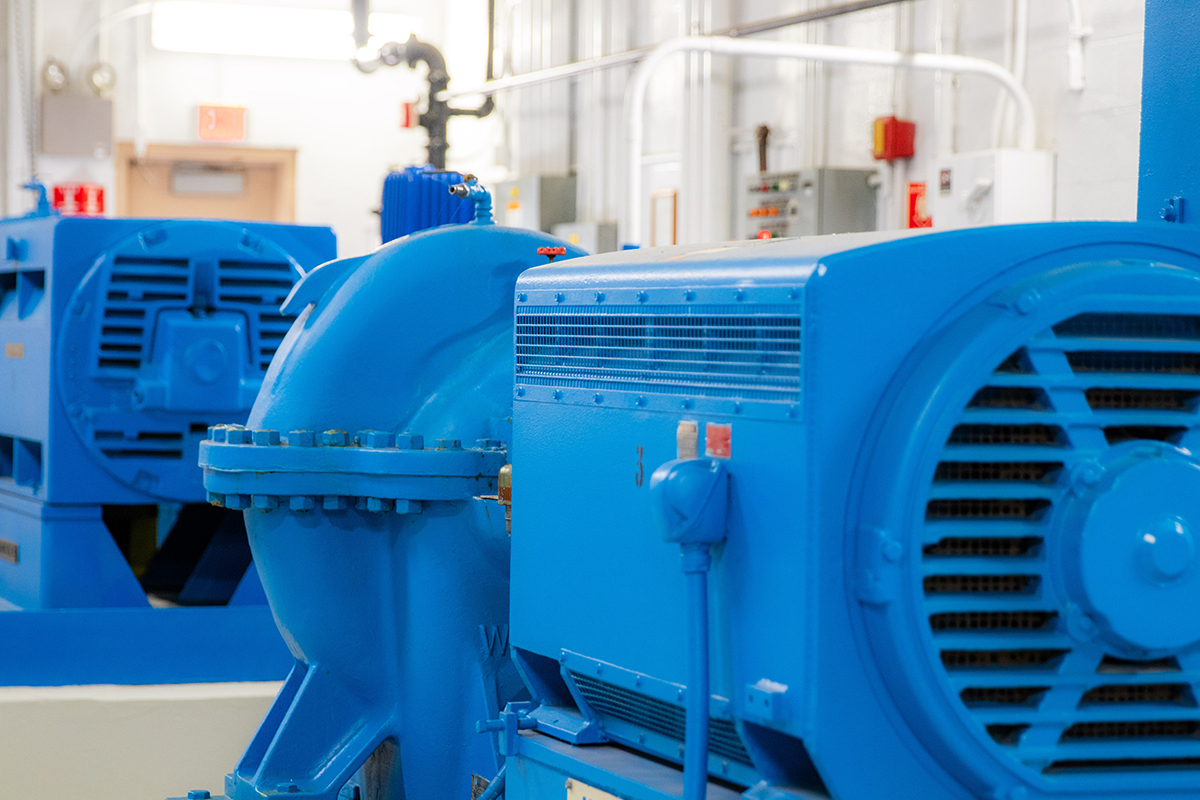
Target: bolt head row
{"points": [[266, 437], [329, 502]]}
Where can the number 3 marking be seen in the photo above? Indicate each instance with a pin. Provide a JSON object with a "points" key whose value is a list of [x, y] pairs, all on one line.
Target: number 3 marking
{"points": [[641, 471]]}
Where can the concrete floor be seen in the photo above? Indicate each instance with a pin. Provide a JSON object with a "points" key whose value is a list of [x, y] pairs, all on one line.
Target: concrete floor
{"points": [[125, 742]]}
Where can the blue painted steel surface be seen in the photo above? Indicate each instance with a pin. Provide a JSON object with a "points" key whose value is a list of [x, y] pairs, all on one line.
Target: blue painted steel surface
{"points": [[416, 198], [386, 568], [141, 646], [960, 527], [1169, 180], [123, 340]]}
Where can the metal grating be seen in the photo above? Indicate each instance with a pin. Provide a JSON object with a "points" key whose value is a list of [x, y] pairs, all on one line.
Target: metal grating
{"points": [[996, 621], [138, 288], [744, 351], [258, 288], [657, 716]]}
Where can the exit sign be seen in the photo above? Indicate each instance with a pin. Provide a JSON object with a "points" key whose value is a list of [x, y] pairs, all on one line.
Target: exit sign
{"points": [[222, 123]]}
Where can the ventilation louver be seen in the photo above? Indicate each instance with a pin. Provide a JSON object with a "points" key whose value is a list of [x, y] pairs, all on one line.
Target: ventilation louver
{"points": [[258, 289], [666, 719], [748, 351], [1057, 707]]}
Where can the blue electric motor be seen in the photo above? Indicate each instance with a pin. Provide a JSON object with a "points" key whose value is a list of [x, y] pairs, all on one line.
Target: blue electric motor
{"points": [[124, 339], [416, 198], [949, 491]]}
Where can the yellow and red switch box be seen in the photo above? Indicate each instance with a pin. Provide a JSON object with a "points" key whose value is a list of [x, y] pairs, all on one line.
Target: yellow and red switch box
{"points": [[894, 138]]}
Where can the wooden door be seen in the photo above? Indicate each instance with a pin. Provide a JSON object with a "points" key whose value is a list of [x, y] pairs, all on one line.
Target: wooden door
{"points": [[212, 181]]}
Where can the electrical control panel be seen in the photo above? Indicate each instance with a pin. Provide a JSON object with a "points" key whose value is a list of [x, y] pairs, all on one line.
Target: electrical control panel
{"points": [[808, 203]]}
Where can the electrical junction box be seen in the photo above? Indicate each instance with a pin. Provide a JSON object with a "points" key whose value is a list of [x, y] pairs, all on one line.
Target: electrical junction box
{"points": [[537, 203], [991, 187], [76, 126], [808, 203], [594, 237]]}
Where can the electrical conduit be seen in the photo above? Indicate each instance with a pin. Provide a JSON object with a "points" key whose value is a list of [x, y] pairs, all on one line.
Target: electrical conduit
{"points": [[696, 563], [690, 498], [635, 96]]}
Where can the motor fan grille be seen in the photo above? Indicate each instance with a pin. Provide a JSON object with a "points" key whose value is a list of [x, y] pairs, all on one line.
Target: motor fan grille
{"points": [[1058, 708]]}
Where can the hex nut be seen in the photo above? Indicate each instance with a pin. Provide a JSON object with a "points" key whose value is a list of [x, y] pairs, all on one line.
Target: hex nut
{"points": [[376, 439], [266, 437], [238, 435], [301, 439], [334, 438]]}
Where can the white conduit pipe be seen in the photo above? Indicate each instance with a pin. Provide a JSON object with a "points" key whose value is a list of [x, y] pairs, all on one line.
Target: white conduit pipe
{"points": [[635, 95], [1016, 56], [1077, 33], [549, 74]]}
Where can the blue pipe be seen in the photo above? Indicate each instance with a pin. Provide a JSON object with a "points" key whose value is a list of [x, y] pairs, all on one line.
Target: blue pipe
{"points": [[495, 789], [696, 563]]}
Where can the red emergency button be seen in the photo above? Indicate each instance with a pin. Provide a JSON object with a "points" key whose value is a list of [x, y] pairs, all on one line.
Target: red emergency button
{"points": [[551, 252], [764, 234]]}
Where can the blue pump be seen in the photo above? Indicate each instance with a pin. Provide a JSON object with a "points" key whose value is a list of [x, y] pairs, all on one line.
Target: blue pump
{"points": [[372, 508]]}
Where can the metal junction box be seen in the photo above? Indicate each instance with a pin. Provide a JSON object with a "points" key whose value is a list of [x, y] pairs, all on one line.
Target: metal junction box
{"points": [[537, 203]]}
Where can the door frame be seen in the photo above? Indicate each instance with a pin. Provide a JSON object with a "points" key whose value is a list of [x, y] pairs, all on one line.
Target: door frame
{"points": [[215, 155]]}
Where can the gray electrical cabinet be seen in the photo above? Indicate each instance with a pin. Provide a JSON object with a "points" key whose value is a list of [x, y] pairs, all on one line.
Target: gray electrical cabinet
{"points": [[594, 237], [538, 203], [809, 203]]}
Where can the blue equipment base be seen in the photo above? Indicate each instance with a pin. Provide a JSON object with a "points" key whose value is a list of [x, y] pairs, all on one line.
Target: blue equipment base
{"points": [[542, 765], [133, 646]]}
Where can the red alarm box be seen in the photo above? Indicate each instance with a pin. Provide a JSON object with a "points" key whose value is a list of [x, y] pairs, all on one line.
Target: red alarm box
{"points": [[894, 138]]}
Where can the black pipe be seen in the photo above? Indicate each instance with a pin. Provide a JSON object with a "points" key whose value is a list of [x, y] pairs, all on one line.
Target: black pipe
{"points": [[488, 103], [361, 9], [438, 112]]}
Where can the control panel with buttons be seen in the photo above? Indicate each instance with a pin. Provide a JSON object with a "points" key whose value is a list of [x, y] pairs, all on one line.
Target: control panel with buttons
{"points": [[808, 202]]}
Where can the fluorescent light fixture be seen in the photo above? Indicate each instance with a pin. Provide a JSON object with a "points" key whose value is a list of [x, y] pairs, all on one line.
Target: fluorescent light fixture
{"points": [[274, 31]]}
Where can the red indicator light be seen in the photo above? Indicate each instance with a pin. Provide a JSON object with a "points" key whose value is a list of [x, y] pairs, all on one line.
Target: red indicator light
{"points": [[764, 234]]}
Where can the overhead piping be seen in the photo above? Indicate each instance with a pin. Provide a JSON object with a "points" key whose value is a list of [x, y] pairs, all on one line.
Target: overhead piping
{"points": [[1016, 56], [635, 96], [541, 76], [412, 52]]}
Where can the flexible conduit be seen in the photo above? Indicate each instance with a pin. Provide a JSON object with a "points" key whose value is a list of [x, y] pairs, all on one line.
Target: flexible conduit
{"points": [[696, 563]]}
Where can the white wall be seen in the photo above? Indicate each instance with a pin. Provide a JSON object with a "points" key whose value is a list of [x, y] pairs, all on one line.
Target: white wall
{"points": [[701, 114], [820, 115], [344, 124]]}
